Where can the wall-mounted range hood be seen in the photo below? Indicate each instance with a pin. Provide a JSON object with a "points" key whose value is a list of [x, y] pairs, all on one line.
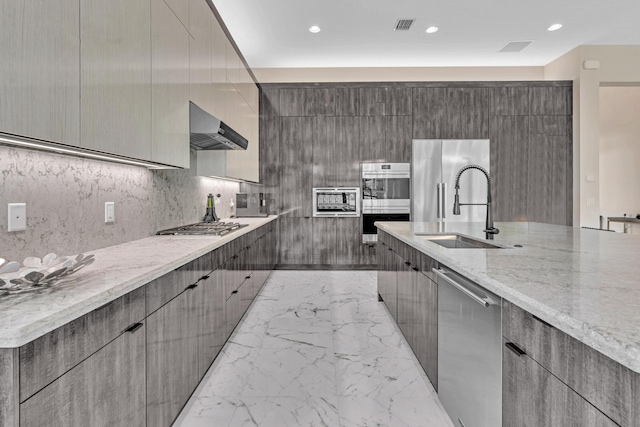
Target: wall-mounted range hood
{"points": [[210, 133]]}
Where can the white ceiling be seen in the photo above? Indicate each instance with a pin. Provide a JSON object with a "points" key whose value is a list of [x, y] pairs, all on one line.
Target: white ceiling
{"points": [[359, 33]]}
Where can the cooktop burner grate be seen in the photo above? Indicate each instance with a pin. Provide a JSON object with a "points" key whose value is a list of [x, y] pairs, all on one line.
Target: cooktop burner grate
{"points": [[203, 228]]}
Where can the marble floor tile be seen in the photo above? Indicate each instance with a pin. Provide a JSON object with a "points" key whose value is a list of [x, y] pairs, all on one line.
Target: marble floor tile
{"points": [[286, 412], [400, 412], [208, 411], [316, 348], [296, 371]]}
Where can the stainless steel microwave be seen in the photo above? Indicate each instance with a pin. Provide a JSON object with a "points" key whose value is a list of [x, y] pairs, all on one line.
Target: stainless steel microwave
{"points": [[336, 202]]}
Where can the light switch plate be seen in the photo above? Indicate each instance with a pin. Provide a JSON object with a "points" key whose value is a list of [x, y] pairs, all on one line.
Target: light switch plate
{"points": [[109, 212], [17, 217]]}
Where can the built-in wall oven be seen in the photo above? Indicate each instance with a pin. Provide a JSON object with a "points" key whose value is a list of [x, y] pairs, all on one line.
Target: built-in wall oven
{"points": [[336, 202], [386, 189]]}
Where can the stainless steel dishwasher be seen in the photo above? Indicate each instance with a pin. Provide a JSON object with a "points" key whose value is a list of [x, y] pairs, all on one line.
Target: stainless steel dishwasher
{"points": [[469, 351]]}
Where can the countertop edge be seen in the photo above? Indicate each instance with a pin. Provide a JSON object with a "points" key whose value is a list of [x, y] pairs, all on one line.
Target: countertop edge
{"points": [[587, 334], [40, 328]]}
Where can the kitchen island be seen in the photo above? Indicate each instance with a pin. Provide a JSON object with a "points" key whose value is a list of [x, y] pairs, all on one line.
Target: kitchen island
{"points": [[127, 339], [566, 292]]}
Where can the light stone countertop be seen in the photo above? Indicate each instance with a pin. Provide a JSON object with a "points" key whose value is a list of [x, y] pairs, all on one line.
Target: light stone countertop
{"points": [[584, 282], [117, 271]]}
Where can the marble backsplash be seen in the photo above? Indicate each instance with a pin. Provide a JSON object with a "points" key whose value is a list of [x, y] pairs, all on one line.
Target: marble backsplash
{"points": [[65, 199]]}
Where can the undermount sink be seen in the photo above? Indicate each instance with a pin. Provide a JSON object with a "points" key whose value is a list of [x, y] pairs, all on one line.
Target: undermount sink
{"points": [[456, 241]]}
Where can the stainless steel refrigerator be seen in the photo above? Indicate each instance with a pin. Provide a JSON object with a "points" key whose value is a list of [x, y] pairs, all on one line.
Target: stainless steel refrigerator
{"points": [[434, 165]]}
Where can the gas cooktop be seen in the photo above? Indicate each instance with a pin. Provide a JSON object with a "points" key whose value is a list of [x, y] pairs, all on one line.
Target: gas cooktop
{"points": [[203, 228]]}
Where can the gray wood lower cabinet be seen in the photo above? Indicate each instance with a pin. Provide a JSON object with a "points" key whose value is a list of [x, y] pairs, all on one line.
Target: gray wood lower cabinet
{"points": [[532, 396], [124, 365], [107, 389], [172, 357], [412, 299], [595, 378]]}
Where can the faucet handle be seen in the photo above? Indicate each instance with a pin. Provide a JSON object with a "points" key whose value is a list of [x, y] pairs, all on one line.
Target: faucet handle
{"points": [[491, 230]]}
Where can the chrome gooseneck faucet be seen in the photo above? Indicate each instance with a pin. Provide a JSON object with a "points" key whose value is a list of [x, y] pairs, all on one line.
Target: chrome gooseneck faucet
{"points": [[489, 230]]}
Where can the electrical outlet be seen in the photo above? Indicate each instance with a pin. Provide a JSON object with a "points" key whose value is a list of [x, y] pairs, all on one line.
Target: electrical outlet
{"points": [[591, 202], [109, 212], [17, 217]]}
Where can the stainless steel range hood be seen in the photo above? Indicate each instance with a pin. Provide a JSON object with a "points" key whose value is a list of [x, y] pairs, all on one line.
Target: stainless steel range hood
{"points": [[209, 133]]}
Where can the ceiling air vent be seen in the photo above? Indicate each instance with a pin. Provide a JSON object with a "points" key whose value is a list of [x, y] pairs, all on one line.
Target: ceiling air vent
{"points": [[403, 24], [515, 46]]}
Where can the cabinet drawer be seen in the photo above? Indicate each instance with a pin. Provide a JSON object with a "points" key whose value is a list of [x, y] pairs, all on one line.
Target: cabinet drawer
{"points": [[107, 389], [48, 357], [609, 386], [532, 396]]}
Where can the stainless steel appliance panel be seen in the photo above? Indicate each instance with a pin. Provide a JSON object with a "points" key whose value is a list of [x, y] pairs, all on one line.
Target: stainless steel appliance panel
{"points": [[434, 165], [469, 351], [426, 174], [455, 155]]}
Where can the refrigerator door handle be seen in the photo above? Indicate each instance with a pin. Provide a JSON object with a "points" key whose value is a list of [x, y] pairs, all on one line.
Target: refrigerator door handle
{"points": [[438, 204], [444, 200]]}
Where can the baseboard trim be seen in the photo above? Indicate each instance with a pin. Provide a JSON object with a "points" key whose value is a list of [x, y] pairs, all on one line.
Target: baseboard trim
{"points": [[326, 267]]}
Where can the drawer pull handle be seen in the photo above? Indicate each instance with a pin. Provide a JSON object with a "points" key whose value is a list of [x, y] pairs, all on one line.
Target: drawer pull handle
{"points": [[415, 269], [542, 321], [195, 285], [248, 277], [407, 263], [235, 256], [134, 327], [517, 350], [389, 249], [234, 292], [204, 277], [103, 306]]}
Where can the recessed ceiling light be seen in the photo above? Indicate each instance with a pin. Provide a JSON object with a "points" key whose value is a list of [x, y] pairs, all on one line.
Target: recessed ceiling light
{"points": [[554, 27], [431, 30], [314, 29]]}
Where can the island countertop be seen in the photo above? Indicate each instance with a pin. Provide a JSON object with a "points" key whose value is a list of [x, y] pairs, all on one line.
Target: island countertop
{"points": [[117, 271], [584, 282]]}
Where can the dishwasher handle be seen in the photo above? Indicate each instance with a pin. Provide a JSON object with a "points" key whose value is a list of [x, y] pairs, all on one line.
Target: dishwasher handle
{"points": [[484, 301]]}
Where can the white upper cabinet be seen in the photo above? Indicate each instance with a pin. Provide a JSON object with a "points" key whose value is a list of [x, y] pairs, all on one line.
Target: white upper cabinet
{"points": [[40, 69], [115, 60], [170, 87], [219, 71], [201, 86], [233, 64], [180, 8]]}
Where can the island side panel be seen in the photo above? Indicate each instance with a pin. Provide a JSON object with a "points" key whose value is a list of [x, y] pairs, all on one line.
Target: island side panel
{"points": [[9, 380]]}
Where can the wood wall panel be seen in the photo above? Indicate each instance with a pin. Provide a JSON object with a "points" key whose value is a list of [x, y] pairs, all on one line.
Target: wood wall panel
{"points": [[466, 113], [347, 102], [372, 139], [349, 232], [324, 102], [429, 112], [324, 152], [398, 101], [509, 138], [325, 240], [373, 101], [270, 164], [295, 245], [398, 139], [296, 102], [509, 101], [550, 101], [296, 157], [347, 158]]}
